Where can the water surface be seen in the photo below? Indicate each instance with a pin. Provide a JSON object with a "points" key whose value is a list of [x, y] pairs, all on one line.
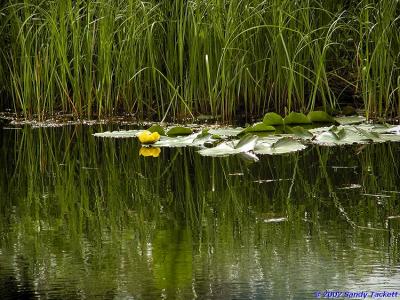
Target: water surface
{"points": [[88, 218]]}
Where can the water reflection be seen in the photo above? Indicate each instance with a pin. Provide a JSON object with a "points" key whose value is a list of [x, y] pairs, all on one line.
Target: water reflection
{"points": [[82, 217]]}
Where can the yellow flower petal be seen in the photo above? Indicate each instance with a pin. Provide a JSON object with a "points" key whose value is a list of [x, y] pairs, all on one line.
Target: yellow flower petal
{"points": [[146, 137], [150, 151]]}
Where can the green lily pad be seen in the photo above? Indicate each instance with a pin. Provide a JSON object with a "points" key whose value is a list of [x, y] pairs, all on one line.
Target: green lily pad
{"points": [[179, 130], [119, 134], [299, 131], [246, 144], [373, 136], [390, 137], [282, 146], [258, 127], [178, 141], [320, 117], [157, 128], [226, 131], [272, 119], [342, 136], [296, 118], [350, 120]]}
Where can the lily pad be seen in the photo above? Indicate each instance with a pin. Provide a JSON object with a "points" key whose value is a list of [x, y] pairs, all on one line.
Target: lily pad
{"points": [[282, 146], [246, 144], [226, 131], [350, 120], [272, 119], [296, 118], [157, 128], [259, 127], [178, 141], [390, 137], [119, 134], [299, 131], [320, 117], [179, 130], [342, 136]]}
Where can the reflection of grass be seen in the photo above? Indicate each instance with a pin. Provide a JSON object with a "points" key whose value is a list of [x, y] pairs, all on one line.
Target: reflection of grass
{"points": [[129, 222]]}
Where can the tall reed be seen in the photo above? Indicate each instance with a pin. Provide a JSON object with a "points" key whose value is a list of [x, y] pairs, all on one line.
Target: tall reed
{"points": [[173, 59]]}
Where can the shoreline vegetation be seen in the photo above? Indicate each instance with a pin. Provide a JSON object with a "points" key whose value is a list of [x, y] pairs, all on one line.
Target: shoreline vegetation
{"points": [[170, 60]]}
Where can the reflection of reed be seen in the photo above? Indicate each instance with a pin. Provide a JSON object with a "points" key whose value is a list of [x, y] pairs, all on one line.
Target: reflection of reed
{"points": [[102, 214]]}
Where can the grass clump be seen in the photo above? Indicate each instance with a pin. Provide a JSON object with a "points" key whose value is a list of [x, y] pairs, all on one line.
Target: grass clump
{"points": [[173, 59]]}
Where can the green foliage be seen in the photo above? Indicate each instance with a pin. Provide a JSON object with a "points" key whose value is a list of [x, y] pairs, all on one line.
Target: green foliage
{"points": [[259, 127], [272, 119], [173, 58], [296, 118], [320, 117], [179, 130], [157, 128]]}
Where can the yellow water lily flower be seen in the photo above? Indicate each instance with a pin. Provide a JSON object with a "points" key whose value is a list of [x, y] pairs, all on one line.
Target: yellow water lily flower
{"points": [[146, 137], [150, 151]]}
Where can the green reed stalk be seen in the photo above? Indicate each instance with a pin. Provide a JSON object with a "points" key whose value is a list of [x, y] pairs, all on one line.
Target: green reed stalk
{"points": [[215, 57]]}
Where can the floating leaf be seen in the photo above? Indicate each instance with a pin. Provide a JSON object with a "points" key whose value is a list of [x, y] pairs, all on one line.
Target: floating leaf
{"points": [[373, 136], [179, 130], [296, 118], [320, 117], [179, 141], [282, 146], [222, 149], [389, 129], [259, 127], [390, 137], [157, 128], [119, 134], [226, 131], [350, 120], [272, 119], [246, 144], [342, 136], [299, 131]]}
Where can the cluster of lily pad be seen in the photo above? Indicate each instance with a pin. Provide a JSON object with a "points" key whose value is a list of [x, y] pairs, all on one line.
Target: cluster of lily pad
{"points": [[274, 135]]}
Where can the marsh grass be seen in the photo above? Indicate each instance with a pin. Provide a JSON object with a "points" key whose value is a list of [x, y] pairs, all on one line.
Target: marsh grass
{"points": [[173, 59]]}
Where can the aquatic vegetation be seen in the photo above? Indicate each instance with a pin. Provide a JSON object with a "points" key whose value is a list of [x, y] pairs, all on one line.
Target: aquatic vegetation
{"points": [[296, 118], [249, 141], [179, 130], [272, 119], [173, 59], [320, 117]]}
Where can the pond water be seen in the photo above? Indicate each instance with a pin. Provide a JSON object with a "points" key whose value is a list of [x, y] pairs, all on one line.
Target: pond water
{"points": [[86, 218]]}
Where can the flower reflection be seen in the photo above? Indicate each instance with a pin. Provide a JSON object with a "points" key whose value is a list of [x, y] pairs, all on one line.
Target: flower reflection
{"points": [[150, 151]]}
